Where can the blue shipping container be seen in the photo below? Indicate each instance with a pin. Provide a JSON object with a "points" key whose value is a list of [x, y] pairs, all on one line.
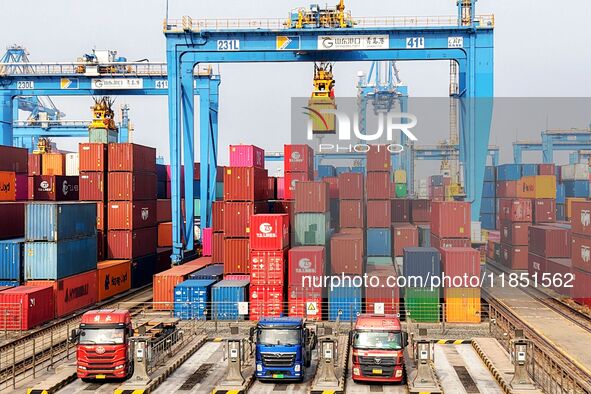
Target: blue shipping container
{"points": [[560, 212], [421, 262], [161, 173], [488, 205], [9, 283], [57, 260], [225, 298], [489, 174], [360, 170], [379, 242], [529, 169], [50, 221], [347, 299], [213, 272], [424, 235], [161, 190], [142, 270], [325, 170], [219, 190], [342, 170], [489, 189], [576, 188], [488, 221], [196, 188], [560, 194], [11, 260], [508, 172], [191, 299]]}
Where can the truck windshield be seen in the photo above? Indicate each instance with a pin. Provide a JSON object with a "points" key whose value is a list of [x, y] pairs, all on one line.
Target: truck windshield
{"points": [[272, 336], [377, 340], [104, 336]]}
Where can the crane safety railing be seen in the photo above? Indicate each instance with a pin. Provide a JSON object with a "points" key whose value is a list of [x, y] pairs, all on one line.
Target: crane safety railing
{"points": [[50, 123], [189, 24]]}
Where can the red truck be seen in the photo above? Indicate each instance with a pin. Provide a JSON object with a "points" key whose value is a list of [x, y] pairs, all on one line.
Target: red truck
{"points": [[378, 349], [103, 348]]}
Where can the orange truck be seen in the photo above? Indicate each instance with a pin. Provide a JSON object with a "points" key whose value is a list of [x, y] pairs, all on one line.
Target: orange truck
{"points": [[103, 348], [378, 344]]}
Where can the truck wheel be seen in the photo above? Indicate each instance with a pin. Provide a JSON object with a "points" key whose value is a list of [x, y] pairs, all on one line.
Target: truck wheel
{"points": [[404, 380], [308, 359]]}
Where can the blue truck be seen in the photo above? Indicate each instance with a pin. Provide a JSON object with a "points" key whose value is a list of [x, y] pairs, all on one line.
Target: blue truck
{"points": [[283, 348]]}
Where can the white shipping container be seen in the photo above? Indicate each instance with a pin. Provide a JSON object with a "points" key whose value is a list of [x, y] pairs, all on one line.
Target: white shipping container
{"points": [[476, 230], [72, 164], [576, 172]]}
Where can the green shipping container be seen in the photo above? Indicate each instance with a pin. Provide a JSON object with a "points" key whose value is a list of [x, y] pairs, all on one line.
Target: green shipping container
{"points": [[312, 229], [102, 136], [219, 190], [197, 207], [401, 190], [383, 261], [422, 304]]}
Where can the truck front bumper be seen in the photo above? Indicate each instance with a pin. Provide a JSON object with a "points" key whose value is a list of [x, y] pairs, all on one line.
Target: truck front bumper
{"points": [[279, 374], [378, 374]]}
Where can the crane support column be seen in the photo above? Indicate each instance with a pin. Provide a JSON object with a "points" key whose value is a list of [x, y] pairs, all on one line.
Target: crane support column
{"points": [[188, 105], [6, 119]]}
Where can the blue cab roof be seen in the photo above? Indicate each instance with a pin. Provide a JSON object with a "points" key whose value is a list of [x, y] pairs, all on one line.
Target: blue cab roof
{"points": [[280, 321]]}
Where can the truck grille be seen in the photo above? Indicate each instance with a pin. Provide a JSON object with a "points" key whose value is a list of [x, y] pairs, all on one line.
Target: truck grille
{"points": [[271, 360], [368, 370], [377, 361]]}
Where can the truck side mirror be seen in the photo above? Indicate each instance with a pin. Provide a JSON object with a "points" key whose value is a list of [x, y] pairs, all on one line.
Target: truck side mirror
{"points": [[251, 334], [74, 334], [404, 339]]}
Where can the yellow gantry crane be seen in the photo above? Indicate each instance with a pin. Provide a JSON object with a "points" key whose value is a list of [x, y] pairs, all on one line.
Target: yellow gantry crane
{"points": [[322, 99], [103, 116], [316, 17]]}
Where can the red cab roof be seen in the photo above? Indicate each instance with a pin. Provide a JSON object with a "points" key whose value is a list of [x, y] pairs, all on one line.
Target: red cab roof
{"points": [[377, 322], [106, 316]]}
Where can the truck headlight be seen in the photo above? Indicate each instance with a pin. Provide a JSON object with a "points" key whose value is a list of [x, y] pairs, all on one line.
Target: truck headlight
{"points": [[119, 366], [81, 367], [399, 373], [259, 367], [355, 371], [297, 368]]}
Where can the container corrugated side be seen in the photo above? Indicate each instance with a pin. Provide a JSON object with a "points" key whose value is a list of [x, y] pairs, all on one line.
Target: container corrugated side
{"points": [[164, 282], [422, 304], [130, 244], [346, 299], [268, 267], [225, 298], [312, 229], [142, 270], [11, 259], [192, 299], [421, 262], [60, 221], [462, 305], [26, 307], [236, 255], [131, 157], [57, 260], [130, 215], [214, 272], [53, 164], [72, 164], [114, 277], [351, 186], [379, 242], [93, 157], [379, 213], [128, 186]]}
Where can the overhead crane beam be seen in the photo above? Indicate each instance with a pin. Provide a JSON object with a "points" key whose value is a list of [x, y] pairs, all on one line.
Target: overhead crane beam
{"points": [[560, 140]]}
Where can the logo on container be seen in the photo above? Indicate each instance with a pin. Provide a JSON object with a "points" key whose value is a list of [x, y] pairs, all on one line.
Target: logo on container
{"points": [[536, 266], [585, 253], [145, 214], [65, 188], [44, 186], [266, 231], [585, 217], [305, 265], [296, 157]]}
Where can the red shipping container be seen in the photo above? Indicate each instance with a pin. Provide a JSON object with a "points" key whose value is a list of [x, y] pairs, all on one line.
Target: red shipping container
{"points": [[284, 206], [165, 235], [507, 189], [34, 164], [400, 210], [450, 219], [132, 158], [298, 158], [92, 186], [130, 215], [101, 245], [245, 184], [271, 188], [403, 236], [346, 254], [236, 255], [265, 301], [544, 210], [92, 157], [378, 158], [101, 216], [536, 265], [25, 307], [164, 282], [351, 186], [582, 287], [515, 210], [437, 191], [132, 186], [290, 180], [546, 169], [558, 268], [549, 241], [217, 248], [72, 293], [514, 257], [581, 217], [164, 210], [312, 197], [304, 302], [514, 233], [206, 240], [387, 298], [13, 213], [280, 188], [217, 216], [581, 252], [456, 262], [268, 267], [129, 244], [305, 261], [333, 186], [379, 213], [22, 187], [237, 216], [247, 156], [378, 185], [351, 213], [420, 211], [269, 231], [446, 243], [14, 159], [56, 188]]}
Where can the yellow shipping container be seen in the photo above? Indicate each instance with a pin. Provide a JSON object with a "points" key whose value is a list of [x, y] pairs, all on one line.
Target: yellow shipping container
{"points": [[53, 164], [462, 305], [539, 186], [569, 204], [400, 176]]}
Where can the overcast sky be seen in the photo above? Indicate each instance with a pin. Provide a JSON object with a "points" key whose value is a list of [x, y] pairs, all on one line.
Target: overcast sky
{"points": [[541, 50]]}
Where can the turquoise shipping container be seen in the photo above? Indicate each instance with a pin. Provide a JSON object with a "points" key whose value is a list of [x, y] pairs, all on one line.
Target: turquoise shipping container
{"points": [[226, 298], [312, 229], [344, 301], [11, 259], [57, 260], [51, 221]]}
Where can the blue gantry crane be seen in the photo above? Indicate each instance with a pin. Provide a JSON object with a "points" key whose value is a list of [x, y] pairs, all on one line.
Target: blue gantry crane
{"points": [[572, 140]]}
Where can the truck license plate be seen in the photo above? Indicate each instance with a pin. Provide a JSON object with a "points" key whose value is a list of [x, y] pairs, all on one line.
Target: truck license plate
{"points": [[377, 371], [277, 376], [100, 376]]}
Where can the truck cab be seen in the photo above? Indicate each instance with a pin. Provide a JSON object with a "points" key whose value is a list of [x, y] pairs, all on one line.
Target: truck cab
{"points": [[283, 348], [103, 346], [378, 343]]}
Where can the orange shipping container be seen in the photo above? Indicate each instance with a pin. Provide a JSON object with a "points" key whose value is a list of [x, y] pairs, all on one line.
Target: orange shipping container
{"points": [[53, 164], [7, 186], [165, 281], [462, 305], [569, 204], [114, 277], [539, 186], [164, 234]]}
